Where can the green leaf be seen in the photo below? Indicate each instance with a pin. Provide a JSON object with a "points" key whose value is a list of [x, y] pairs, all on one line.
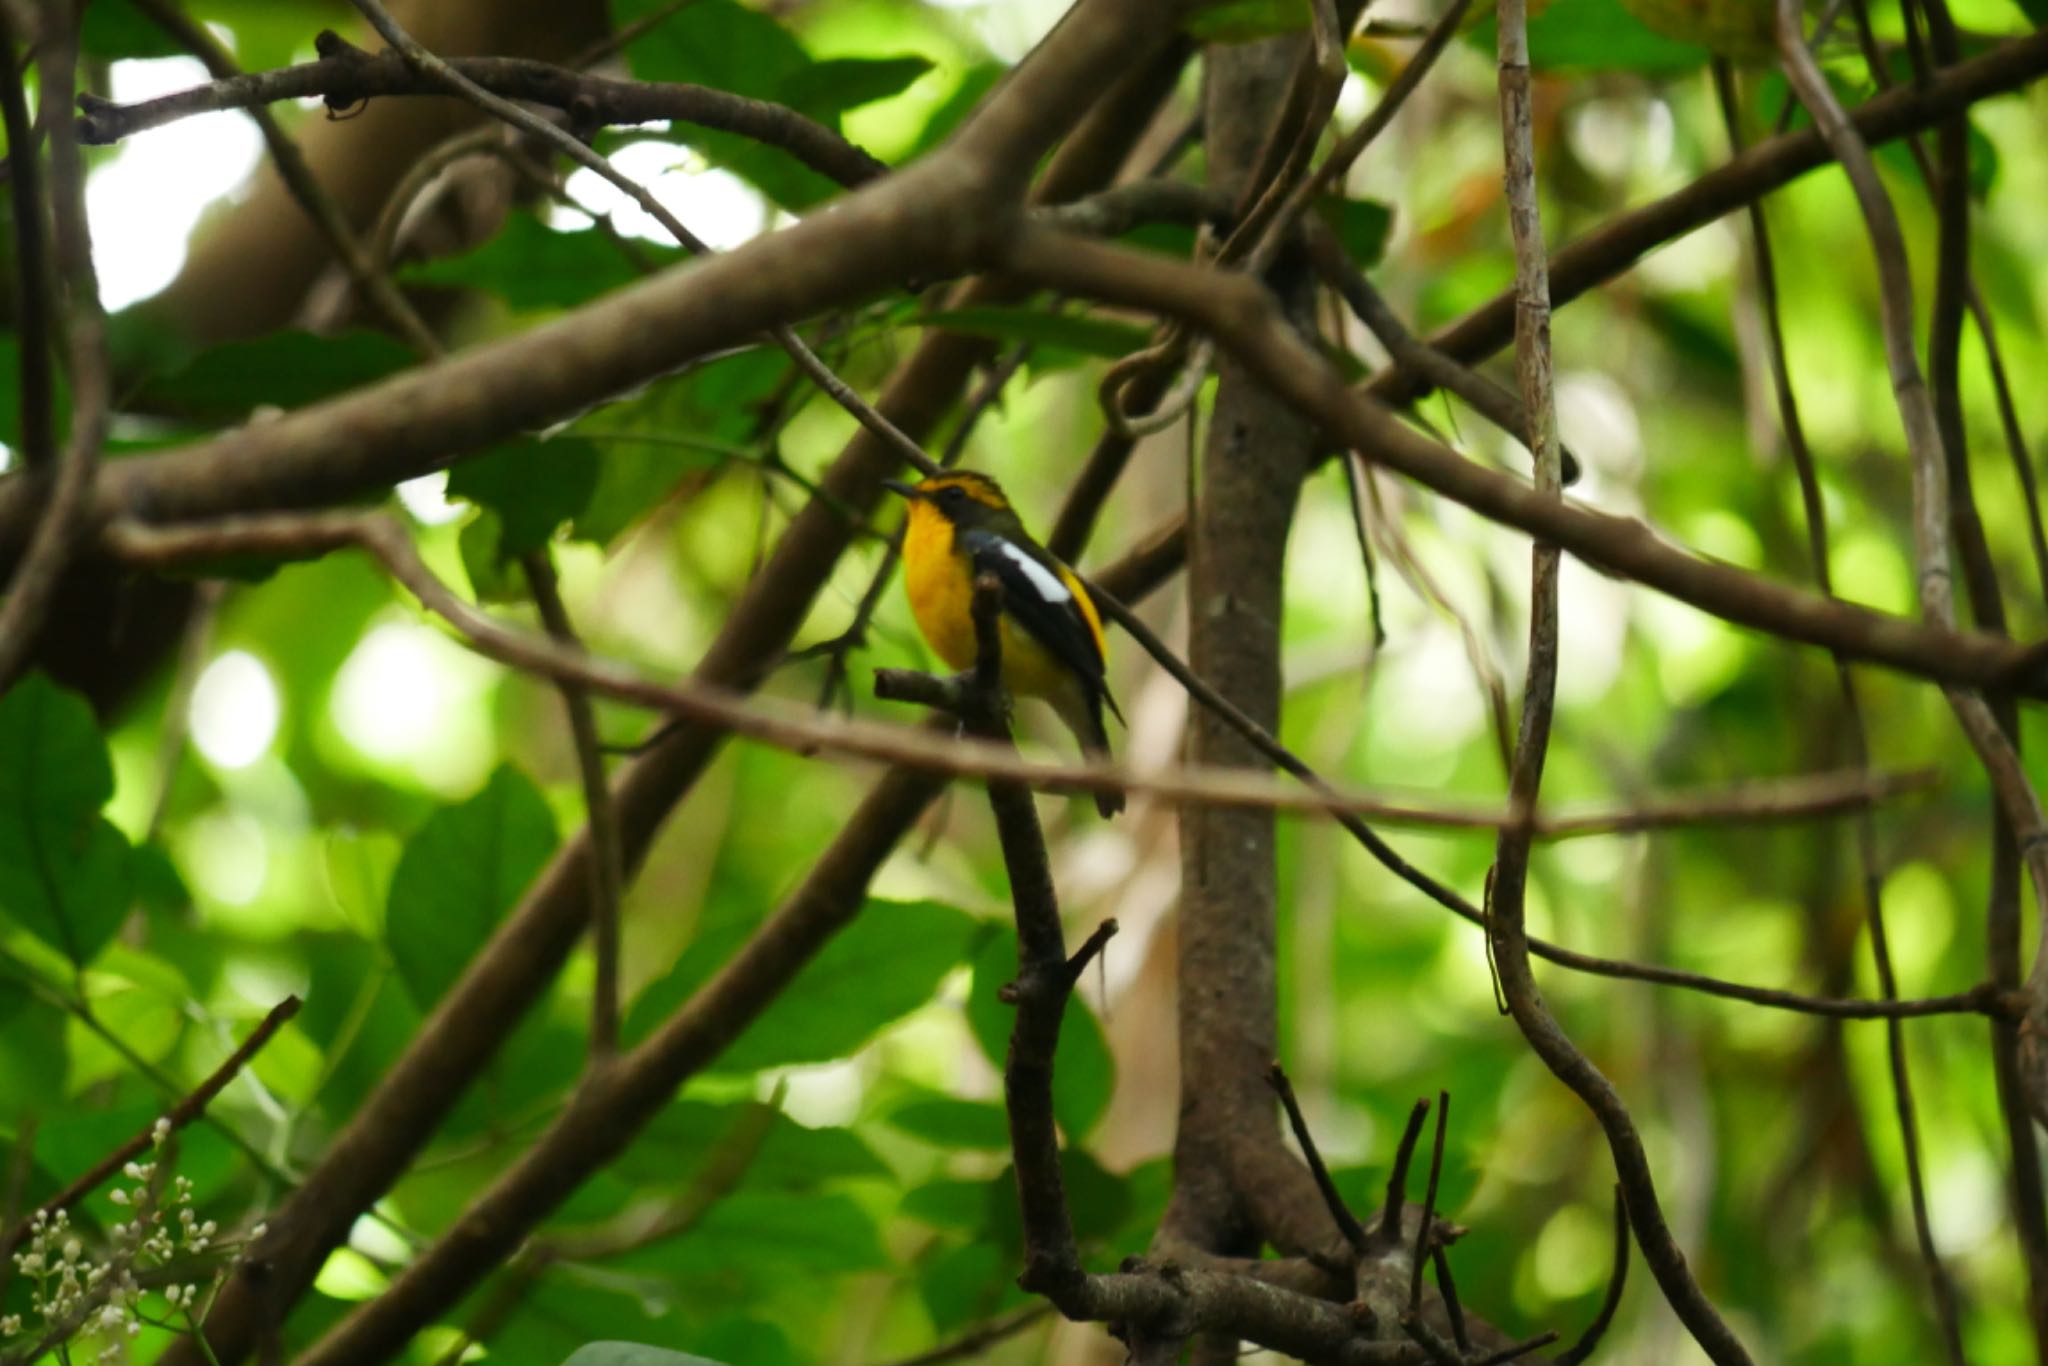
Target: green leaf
{"points": [[750, 1235], [1083, 1074], [791, 1157], [633, 1354], [947, 1123], [880, 968], [728, 45], [33, 1062], [884, 965], [1597, 35], [675, 427], [492, 575], [285, 369], [1247, 21], [461, 871], [115, 29], [720, 43], [825, 90], [534, 486], [967, 1283], [1361, 226], [1076, 333], [65, 873], [532, 266]]}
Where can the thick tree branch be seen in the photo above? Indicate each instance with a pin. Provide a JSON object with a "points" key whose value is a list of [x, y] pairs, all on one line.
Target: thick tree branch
{"points": [[1242, 317]]}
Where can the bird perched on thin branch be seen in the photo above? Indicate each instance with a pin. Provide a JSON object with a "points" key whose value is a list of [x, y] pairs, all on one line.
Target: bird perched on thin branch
{"points": [[961, 526]]}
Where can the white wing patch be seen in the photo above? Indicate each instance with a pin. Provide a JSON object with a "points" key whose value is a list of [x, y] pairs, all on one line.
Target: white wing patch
{"points": [[1044, 580]]}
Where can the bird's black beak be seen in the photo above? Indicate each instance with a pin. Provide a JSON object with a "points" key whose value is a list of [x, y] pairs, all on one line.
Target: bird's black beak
{"points": [[898, 486]]}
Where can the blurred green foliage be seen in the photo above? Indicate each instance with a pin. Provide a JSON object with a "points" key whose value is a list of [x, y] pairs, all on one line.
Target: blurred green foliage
{"points": [[349, 810]]}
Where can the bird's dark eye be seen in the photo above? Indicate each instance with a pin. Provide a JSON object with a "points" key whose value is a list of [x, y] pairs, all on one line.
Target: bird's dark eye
{"points": [[953, 496]]}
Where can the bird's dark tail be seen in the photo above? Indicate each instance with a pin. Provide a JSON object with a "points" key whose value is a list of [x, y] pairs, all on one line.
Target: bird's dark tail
{"points": [[1095, 745]]}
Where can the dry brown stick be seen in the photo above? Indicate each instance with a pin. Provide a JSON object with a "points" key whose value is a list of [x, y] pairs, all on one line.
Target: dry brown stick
{"points": [[1340, 1213], [66, 488], [1508, 932], [607, 865], [191, 1107], [345, 76], [801, 730]]}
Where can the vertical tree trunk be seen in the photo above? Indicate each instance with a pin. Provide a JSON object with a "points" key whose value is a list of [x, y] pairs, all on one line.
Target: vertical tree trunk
{"points": [[1249, 476]]}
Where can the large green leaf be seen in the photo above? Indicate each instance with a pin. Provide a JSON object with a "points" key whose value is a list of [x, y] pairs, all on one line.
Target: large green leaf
{"points": [[534, 486], [1247, 21], [1083, 1074], [751, 1236], [949, 1123], [652, 439], [877, 970], [460, 873], [286, 369], [725, 44], [1361, 226], [531, 266], [65, 873], [1054, 336], [789, 1156], [1597, 35], [825, 90]]}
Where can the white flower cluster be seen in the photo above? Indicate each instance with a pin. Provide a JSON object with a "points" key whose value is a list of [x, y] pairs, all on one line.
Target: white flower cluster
{"points": [[74, 1294]]}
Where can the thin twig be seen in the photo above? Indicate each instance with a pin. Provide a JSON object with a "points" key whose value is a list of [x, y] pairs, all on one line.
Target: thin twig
{"points": [[1871, 870], [1347, 1222], [1422, 1234], [976, 1341], [1388, 1231], [300, 535], [1508, 931], [607, 865], [1418, 357], [1589, 1341], [177, 1117], [344, 76], [1983, 999]]}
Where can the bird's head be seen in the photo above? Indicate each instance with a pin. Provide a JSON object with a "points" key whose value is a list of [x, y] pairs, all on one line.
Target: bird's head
{"points": [[962, 497]]}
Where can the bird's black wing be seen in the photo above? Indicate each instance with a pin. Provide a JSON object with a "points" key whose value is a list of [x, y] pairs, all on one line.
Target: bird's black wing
{"points": [[1040, 601]]}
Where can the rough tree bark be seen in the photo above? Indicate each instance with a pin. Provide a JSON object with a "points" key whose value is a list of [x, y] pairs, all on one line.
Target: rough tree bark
{"points": [[1257, 452]]}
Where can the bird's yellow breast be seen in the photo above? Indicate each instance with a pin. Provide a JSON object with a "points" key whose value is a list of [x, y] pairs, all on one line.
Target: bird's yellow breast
{"points": [[940, 582]]}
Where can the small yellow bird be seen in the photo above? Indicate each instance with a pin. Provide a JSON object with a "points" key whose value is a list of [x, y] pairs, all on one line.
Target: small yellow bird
{"points": [[961, 526]]}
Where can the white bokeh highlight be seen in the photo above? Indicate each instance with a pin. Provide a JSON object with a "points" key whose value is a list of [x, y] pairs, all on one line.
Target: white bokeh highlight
{"points": [[144, 204], [716, 205], [409, 698], [235, 711]]}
